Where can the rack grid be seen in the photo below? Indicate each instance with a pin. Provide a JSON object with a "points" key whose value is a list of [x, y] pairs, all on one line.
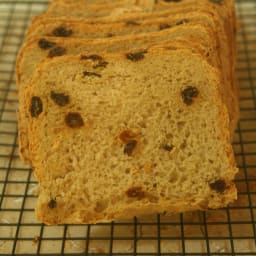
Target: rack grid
{"points": [[228, 231]]}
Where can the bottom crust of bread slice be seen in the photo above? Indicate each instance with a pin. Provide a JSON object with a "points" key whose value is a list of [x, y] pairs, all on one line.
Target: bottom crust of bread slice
{"points": [[145, 133]]}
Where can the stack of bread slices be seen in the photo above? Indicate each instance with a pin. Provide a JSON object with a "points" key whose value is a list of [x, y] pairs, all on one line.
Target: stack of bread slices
{"points": [[128, 107]]}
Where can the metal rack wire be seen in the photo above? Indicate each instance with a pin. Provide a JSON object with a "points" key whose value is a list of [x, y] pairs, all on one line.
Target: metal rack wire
{"points": [[229, 231]]}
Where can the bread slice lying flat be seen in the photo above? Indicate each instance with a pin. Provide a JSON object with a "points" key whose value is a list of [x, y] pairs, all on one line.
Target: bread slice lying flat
{"points": [[146, 133]]}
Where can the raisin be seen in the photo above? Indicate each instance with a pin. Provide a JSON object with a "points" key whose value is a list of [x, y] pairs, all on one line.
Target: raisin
{"points": [[101, 64], [132, 22], [167, 147], [110, 35], [45, 44], [164, 26], [136, 56], [52, 203], [129, 147], [188, 94], [93, 57], [60, 98], [74, 120], [36, 106], [180, 22], [87, 73], [56, 51], [235, 30], [62, 32], [135, 192], [218, 185], [216, 1]]}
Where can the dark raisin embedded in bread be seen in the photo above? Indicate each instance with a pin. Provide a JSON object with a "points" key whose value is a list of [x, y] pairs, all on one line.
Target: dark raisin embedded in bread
{"points": [[62, 32], [188, 94], [135, 56], [101, 64], [219, 186], [110, 35], [135, 192], [93, 57], [60, 98], [36, 106], [52, 203], [164, 26], [45, 44], [87, 73], [129, 147], [56, 51], [167, 147], [132, 22], [74, 120]]}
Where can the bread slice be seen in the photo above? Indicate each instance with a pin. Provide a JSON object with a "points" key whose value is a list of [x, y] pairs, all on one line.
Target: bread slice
{"points": [[136, 137], [31, 54]]}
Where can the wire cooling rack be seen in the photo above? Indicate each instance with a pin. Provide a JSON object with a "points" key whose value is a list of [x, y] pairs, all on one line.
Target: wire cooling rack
{"points": [[229, 231]]}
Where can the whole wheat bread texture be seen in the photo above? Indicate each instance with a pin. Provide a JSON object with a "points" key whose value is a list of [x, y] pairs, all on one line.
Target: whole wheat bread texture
{"points": [[137, 136]]}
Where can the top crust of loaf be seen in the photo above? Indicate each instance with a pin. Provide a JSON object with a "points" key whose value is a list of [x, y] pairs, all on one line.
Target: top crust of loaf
{"points": [[210, 183], [137, 14]]}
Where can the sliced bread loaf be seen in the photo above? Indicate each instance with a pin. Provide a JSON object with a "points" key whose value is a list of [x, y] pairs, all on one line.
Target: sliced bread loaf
{"points": [[138, 136]]}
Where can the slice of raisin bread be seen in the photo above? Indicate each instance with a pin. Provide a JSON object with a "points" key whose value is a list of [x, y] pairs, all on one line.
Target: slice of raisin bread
{"points": [[28, 57], [138, 136], [75, 29], [23, 139]]}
